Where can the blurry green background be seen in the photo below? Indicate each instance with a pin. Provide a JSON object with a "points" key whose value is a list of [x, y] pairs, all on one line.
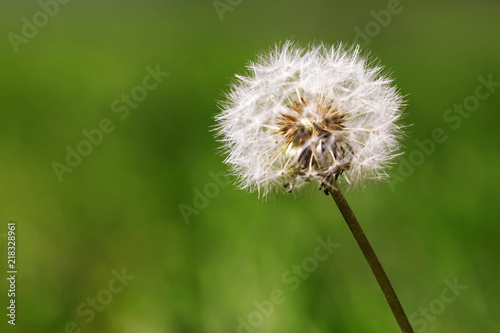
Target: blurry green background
{"points": [[120, 207]]}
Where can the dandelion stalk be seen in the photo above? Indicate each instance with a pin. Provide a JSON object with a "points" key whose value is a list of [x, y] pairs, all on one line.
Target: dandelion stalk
{"points": [[372, 259]]}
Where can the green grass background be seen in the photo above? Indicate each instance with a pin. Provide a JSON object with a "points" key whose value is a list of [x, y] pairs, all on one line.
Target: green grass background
{"points": [[120, 206]]}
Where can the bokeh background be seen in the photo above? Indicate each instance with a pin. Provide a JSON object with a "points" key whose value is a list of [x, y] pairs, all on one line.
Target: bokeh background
{"points": [[121, 207]]}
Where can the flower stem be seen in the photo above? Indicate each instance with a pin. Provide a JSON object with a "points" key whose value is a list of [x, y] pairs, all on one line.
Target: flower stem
{"points": [[372, 259]]}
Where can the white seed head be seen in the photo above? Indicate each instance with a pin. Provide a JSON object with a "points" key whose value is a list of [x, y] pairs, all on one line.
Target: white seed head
{"points": [[317, 114]]}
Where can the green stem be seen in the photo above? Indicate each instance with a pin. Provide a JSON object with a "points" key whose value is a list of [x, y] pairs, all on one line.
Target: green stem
{"points": [[372, 259]]}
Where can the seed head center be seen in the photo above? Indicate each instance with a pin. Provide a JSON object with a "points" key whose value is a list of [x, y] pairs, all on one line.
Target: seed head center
{"points": [[308, 124], [315, 133]]}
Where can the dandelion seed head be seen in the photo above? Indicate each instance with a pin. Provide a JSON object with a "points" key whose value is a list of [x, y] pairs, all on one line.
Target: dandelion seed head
{"points": [[310, 115]]}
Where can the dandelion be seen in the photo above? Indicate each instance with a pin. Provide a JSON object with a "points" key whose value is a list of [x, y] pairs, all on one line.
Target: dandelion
{"points": [[310, 115], [323, 114]]}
